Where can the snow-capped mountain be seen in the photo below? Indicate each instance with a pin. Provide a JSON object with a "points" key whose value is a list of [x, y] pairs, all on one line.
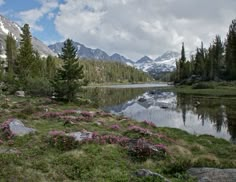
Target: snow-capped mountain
{"points": [[144, 60], [120, 58], [169, 55], [164, 63], [97, 54], [8, 26]]}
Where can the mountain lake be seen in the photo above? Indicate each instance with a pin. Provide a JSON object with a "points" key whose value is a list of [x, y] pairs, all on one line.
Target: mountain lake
{"points": [[195, 114]]}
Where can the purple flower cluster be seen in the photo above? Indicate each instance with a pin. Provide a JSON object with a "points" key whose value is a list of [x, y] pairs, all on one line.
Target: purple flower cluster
{"points": [[60, 140], [68, 115], [87, 114], [110, 139], [149, 123], [143, 149], [115, 127], [6, 129], [104, 114], [139, 129], [68, 118]]}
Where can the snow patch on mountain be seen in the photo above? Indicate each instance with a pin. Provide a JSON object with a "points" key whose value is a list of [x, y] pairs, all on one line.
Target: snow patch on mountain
{"points": [[7, 26], [6, 31], [164, 63]]}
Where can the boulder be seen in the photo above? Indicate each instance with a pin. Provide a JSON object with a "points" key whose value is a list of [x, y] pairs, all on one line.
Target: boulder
{"points": [[20, 93], [142, 99], [146, 173], [79, 136], [213, 174], [17, 128]]}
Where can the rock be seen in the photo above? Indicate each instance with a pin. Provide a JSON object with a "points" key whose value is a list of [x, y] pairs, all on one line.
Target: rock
{"points": [[164, 105], [17, 128], [140, 145], [213, 174], [146, 173], [152, 92], [196, 103], [79, 136], [142, 99], [4, 150], [20, 93]]}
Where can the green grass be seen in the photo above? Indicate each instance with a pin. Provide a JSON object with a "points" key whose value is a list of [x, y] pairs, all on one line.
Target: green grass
{"points": [[37, 160], [219, 89]]}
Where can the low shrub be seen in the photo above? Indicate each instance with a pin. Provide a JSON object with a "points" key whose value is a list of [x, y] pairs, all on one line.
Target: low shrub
{"points": [[62, 141], [179, 166], [203, 85], [140, 130], [142, 150], [38, 86]]}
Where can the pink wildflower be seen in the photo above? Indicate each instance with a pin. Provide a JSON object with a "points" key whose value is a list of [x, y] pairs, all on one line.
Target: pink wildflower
{"points": [[139, 129], [6, 129], [86, 114], [56, 133], [149, 123], [115, 127]]}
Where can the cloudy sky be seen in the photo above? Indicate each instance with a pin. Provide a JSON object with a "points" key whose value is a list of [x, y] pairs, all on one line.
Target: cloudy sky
{"points": [[133, 28]]}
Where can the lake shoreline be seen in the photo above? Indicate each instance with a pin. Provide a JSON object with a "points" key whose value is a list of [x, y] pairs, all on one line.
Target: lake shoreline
{"points": [[58, 161]]}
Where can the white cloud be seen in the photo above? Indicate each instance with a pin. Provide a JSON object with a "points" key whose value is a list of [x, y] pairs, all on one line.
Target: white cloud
{"points": [[32, 16], [139, 27], [2, 2]]}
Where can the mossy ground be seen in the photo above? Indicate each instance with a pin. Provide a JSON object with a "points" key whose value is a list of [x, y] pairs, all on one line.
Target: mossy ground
{"points": [[37, 160]]}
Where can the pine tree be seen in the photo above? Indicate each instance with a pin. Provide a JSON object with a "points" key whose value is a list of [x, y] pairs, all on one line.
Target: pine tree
{"points": [[182, 63], [230, 55], [11, 53], [26, 53], [217, 50], [69, 78]]}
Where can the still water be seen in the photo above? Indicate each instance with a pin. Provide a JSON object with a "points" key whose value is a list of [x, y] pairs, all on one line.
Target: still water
{"points": [[195, 114]]}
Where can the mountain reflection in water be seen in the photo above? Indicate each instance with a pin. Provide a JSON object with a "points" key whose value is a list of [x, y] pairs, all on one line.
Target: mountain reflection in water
{"points": [[195, 114]]}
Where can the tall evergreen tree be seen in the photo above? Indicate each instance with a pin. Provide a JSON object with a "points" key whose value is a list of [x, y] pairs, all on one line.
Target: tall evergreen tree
{"points": [[69, 78], [230, 54], [216, 57], [182, 63], [11, 53], [26, 53]]}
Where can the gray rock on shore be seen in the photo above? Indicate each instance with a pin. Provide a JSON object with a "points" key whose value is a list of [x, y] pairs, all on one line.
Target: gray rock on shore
{"points": [[213, 174], [146, 173], [18, 128]]}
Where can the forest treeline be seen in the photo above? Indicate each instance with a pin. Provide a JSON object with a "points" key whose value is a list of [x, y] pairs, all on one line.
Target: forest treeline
{"points": [[107, 72], [24, 69], [215, 63]]}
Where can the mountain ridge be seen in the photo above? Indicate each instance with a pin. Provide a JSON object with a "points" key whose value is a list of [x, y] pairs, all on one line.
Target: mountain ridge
{"points": [[8, 26], [163, 63]]}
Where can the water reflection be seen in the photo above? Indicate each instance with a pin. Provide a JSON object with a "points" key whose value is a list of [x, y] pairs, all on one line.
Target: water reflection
{"points": [[198, 115]]}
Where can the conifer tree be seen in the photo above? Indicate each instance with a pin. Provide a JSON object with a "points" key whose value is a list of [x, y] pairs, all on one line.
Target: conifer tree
{"points": [[11, 53], [26, 53], [69, 78], [182, 63], [230, 55]]}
